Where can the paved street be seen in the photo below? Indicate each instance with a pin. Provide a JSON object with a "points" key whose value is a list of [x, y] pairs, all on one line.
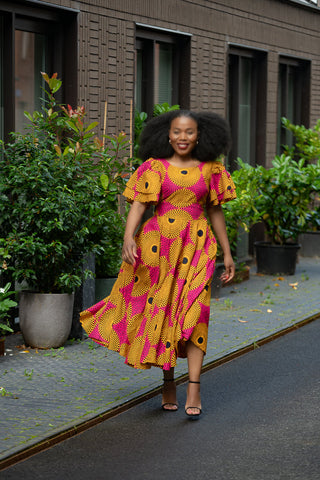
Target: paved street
{"points": [[261, 421], [47, 393]]}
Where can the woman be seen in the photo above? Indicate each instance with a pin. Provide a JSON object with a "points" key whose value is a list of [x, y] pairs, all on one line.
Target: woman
{"points": [[159, 307]]}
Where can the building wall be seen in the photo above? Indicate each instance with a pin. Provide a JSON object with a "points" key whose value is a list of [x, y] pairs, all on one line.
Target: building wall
{"points": [[106, 49]]}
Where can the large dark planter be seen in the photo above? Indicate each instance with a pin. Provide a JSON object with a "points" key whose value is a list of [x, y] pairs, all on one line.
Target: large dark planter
{"points": [[310, 244], [276, 259]]}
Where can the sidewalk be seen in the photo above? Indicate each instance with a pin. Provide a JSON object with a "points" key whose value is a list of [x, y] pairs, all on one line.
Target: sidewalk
{"points": [[44, 393]]}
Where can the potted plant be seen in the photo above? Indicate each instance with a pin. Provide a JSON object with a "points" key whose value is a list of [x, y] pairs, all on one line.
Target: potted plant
{"points": [[281, 200], [56, 190], [307, 146]]}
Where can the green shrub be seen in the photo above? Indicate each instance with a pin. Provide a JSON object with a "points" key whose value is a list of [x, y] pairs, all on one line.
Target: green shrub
{"points": [[58, 186]]}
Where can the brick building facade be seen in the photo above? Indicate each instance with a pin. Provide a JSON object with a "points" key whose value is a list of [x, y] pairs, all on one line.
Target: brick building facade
{"points": [[252, 62]]}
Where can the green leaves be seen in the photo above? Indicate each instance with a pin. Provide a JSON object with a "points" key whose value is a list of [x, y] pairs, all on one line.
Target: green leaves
{"points": [[160, 108], [58, 186], [104, 181], [6, 303], [242, 212], [307, 141], [53, 82], [282, 196], [91, 127]]}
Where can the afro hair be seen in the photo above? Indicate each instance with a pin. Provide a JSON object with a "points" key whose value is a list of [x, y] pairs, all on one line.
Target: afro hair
{"points": [[214, 136]]}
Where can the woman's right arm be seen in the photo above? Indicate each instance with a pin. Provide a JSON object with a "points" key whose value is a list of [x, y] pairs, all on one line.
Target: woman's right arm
{"points": [[129, 249]]}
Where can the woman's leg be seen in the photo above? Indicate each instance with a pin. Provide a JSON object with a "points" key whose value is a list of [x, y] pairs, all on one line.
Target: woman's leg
{"points": [[195, 360], [169, 394]]}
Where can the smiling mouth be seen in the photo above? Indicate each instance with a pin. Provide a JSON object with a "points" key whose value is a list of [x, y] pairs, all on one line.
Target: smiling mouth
{"points": [[183, 145]]}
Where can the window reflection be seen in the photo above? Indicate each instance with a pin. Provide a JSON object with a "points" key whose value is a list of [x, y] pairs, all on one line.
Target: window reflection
{"points": [[30, 60], [163, 62]]}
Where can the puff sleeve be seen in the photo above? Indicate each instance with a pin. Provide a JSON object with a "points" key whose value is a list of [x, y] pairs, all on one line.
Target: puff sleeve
{"points": [[145, 184], [222, 188]]}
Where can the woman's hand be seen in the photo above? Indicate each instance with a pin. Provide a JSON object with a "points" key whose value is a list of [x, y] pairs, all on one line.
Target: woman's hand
{"points": [[230, 270], [219, 226], [129, 251]]}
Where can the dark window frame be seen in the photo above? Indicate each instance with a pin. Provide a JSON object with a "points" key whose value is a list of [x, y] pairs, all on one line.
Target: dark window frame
{"points": [[145, 38], [63, 37], [259, 60], [300, 69]]}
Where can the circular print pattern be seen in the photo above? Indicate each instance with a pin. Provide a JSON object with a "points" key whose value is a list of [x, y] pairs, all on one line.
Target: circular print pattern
{"points": [[172, 222], [150, 245], [184, 177]]}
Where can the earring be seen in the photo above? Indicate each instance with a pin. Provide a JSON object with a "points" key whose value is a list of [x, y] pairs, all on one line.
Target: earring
{"points": [[197, 142], [169, 140]]}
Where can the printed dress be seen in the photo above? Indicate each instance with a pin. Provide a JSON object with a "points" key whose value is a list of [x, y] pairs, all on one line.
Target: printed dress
{"points": [[163, 301]]}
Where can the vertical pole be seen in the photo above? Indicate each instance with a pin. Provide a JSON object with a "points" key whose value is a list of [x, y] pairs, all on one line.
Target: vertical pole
{"points": [[131, 133], [104, 122]]}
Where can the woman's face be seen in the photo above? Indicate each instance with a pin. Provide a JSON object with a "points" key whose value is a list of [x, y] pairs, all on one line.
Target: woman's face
{"points": [[183, 135]]}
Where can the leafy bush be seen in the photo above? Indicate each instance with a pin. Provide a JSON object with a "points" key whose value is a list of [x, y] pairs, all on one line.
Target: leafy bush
{"points": [[307, 141], [307, 146], [58, 184], [279, 196]]}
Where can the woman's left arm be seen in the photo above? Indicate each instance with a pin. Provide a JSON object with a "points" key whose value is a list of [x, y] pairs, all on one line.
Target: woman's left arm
{"points": [[218, 223]]}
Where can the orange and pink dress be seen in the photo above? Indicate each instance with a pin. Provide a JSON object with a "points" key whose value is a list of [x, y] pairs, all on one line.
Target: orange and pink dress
{"points": [[163, 301]]}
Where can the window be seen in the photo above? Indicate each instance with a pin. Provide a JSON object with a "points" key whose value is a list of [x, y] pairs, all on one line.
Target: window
{"points": [[247, 115], [293, 97], [32, 40], [247, 105], [31, 58], [162, 69]]}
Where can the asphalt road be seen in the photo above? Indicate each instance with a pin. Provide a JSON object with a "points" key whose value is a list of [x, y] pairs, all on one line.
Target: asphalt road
{"points": [[261, 421]]}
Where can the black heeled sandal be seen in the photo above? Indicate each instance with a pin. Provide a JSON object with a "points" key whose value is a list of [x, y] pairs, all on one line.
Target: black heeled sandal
{"points": [[193, 416], [164, 405]]}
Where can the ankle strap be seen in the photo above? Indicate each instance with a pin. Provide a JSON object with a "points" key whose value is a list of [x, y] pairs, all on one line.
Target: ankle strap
{"points": [[190, 381]]}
